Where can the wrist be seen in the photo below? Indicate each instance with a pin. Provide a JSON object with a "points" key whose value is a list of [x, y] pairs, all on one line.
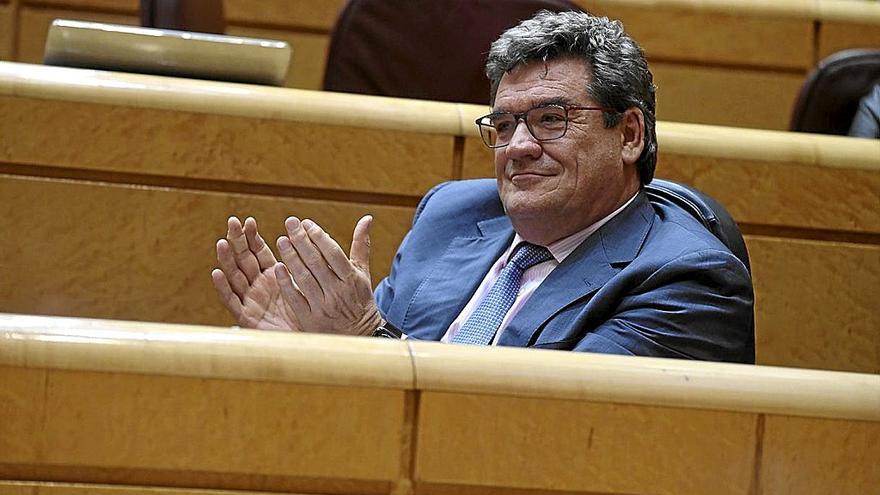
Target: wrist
{"points": [[373, 321]]}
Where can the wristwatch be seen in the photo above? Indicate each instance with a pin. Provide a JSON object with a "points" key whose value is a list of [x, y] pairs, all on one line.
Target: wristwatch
{"points": [[387, 330]]}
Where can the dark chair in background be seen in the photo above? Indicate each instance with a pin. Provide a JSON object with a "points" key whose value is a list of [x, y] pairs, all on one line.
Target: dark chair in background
{"points": [[830, 95], [201, 16], [427, 49], [705, 209]]}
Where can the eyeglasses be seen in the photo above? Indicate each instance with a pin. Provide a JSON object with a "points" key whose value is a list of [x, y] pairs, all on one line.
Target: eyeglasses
{"points": [[545, 123]]}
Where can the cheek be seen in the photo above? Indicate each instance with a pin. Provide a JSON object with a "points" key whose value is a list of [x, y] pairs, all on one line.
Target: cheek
{"points": [[500, 161]]}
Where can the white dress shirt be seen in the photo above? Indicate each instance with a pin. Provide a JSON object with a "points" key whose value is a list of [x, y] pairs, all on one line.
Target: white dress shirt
{"points": [[531, 278]]}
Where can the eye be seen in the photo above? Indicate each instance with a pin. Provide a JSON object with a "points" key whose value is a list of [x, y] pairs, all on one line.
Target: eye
{"points": [[503, 125], [552, 117]]}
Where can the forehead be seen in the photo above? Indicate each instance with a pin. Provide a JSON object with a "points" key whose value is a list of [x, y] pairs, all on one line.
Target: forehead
{"points": [[564, 80]]}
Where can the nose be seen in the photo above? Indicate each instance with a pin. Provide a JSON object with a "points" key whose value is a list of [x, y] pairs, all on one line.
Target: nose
{"points": [[522, 144]]}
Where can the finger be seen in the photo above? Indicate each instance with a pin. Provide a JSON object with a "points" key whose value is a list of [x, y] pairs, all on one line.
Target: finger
{"points": [[244, 258], [302, 276], [289, 292], [360, 243], [308, 253], [329, 249], [257, 245], [229, 299], [236, 278]]}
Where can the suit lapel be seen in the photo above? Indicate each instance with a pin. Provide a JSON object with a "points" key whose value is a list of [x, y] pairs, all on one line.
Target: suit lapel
{"points": [[454, 277], [584, 271]]}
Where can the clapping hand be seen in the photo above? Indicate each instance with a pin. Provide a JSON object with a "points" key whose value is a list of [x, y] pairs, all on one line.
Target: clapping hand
{"points": [[327, 291], [246, 279], [316, 288]]}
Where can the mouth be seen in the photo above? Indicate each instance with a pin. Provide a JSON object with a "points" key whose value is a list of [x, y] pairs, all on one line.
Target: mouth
{"points": [[527, 176]]}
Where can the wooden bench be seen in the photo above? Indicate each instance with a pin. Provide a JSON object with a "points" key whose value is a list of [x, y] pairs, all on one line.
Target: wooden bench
{"points": [[115, 187], [148, 405], [724, 62]]}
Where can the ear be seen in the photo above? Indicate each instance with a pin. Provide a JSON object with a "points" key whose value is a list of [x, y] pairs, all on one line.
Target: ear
{"points": [[633, 134]]}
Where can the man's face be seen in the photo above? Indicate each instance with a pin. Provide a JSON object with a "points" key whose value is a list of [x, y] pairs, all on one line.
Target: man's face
{"points": [[552, 189]]}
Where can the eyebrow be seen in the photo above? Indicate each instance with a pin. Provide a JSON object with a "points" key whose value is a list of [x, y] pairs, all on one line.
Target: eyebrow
{"points": [[556, 100]]}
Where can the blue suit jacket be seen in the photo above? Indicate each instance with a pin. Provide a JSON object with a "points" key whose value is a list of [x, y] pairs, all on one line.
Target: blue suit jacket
{"points": [[652, 281]]}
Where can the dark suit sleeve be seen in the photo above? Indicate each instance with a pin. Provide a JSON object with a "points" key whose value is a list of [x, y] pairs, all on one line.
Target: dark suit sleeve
{"points": [[698, 306]]}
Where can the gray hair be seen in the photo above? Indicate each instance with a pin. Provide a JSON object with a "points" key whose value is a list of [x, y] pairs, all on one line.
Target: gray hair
{"points": [[620, 76]]}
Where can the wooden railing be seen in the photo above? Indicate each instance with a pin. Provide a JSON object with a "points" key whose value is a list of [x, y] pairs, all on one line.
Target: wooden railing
{"points": [[133, 405], [723, 62], [114, 188]]}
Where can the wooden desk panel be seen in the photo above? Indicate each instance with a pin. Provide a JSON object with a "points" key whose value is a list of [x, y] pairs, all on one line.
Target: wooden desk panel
{"points": [[197, 432], [784, 195], [722, 96], [478, 161], [819, 456], [816, 303], [217, 147], [668, 31], [145, 253], [506, 443], [836, 36]]}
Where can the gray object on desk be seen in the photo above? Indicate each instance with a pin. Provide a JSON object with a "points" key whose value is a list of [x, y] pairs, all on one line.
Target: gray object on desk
{"points": [[116, 47]]}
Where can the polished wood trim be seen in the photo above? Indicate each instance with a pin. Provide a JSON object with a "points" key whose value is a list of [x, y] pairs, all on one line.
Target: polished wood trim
{"points": [[179, 350], [646, 381], [854, 11], [169, 93], [197, 351]]}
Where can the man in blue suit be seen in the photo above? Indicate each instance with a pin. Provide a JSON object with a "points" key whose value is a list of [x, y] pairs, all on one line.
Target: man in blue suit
{"points": [[561, 251]]}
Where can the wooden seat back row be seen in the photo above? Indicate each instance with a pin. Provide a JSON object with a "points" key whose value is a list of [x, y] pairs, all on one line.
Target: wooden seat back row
{"points": [[114, 188], [723, 62], [148, 405]]}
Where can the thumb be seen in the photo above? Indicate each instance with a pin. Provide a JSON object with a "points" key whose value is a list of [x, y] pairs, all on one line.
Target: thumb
{"points": [[360, 243]]}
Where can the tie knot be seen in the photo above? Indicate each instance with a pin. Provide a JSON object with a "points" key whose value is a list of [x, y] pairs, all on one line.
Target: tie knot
{"points": [[526, 255]]}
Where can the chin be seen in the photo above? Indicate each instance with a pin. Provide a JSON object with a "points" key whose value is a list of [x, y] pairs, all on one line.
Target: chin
{"points": [[523, 209]]}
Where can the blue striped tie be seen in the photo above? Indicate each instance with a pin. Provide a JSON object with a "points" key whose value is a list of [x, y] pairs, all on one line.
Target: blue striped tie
{"points": [[480, 327]]}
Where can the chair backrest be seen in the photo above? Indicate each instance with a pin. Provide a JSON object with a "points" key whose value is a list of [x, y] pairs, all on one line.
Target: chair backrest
{"points": [[705, 209], [427, 49], [830, 94], [202, 16]]}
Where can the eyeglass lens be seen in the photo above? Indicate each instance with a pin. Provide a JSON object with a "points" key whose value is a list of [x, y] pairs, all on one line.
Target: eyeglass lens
{"points": [[545, 123]]}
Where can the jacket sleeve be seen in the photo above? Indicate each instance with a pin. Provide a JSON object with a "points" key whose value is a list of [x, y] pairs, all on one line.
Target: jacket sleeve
{"points": [[384, 292], [698, 306]]}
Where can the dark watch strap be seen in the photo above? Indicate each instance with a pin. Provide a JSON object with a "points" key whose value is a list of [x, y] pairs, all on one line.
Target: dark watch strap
{"points": [[388, 331]]}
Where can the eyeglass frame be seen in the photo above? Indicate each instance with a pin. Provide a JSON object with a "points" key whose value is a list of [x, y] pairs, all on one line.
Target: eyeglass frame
{"points": [[522, 116]]}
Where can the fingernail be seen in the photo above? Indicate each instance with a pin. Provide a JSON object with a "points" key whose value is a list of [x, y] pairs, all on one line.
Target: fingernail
{"points": [[284, 243], [292, 223], [309, 225]]}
